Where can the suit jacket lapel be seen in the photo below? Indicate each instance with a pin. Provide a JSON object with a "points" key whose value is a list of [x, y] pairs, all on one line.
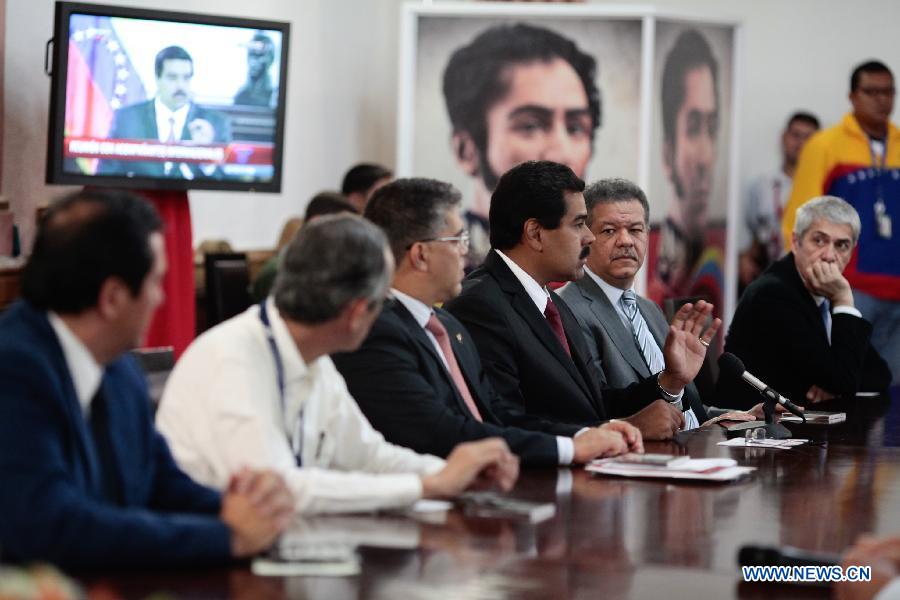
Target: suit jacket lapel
{"points": [[150, 118], [425, 343], [82, 442], [468, 369], [622, 337], [525, 307]]}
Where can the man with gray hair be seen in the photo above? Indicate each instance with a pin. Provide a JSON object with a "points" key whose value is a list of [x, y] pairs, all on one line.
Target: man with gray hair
{"points": [[260, 388], [796, 327]]}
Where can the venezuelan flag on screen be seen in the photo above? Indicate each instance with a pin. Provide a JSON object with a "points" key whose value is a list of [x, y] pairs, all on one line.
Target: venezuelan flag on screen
{"points": [[101, 78]]}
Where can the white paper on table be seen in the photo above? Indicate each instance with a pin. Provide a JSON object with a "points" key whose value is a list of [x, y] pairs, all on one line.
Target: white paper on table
{"points": [[699, 469], [740, 442]]}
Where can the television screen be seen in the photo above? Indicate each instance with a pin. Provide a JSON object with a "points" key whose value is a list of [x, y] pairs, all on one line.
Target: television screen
{"points": [[161, 100]]}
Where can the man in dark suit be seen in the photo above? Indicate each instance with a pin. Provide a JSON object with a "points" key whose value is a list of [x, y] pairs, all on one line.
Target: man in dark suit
{"points": [[417, 377], [796, 327], [170, 117], [532, 347], [85, 479], [625, 332]]}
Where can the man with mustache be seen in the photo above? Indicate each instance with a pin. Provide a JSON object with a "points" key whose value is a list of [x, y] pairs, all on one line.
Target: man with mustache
{"points": [[171, 117], [530, 343], [625, 332], [417, 377]]}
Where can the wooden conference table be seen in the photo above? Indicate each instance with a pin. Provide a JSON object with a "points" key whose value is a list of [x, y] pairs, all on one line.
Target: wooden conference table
{"points": [[610, 538]]}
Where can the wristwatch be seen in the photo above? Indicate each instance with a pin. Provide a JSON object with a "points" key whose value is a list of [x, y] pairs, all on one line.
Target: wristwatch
{"points": [[674, 400]]}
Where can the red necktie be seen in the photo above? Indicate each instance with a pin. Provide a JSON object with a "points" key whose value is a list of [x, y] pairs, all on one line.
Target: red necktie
{"points": [[552, 315], [439, 332]]}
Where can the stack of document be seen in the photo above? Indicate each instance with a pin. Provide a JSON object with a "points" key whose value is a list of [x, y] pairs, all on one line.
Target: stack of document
{"points": [[740, 442], [816, 417], [696, 469]]}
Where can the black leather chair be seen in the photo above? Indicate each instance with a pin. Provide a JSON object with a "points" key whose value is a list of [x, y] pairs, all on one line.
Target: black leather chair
{"points": [[157, 364], [227, 285]]}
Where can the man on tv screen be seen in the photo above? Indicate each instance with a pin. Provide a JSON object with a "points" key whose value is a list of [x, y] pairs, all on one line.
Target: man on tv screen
{"points": [[171, 117]]}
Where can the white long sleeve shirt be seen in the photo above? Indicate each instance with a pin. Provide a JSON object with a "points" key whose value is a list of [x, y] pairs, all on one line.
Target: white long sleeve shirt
{"points": [[221, 410]]}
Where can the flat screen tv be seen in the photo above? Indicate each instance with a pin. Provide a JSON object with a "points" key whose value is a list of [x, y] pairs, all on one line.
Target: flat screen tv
{"points": [[163, 100]]}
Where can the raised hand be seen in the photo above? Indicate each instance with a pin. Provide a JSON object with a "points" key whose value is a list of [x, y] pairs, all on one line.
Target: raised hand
{"points": [[686, 345]]}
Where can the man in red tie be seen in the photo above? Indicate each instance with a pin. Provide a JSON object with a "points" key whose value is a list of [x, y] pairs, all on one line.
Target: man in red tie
{"points": [[533, 350], [417, 376]]}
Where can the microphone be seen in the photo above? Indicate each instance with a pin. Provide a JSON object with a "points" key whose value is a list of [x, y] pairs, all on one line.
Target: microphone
{"points": [[785, 556], [732, 366]]}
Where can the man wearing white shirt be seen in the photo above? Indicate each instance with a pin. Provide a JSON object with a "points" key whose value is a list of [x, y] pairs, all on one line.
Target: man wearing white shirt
{"points": [[170, 118], [625, 333], [260, 388], [759, 236], [417, 376]]}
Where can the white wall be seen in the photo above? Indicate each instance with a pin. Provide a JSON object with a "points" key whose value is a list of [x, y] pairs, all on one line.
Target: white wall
{"points": [[343, 81], [797, 54]]}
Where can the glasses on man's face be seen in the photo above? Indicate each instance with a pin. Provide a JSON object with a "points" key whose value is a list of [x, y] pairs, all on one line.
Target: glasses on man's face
{"points": [[461, 240], [885, 92]]}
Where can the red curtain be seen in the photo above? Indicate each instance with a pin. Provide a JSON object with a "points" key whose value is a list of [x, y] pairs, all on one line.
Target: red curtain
{"points": [[174, 323]]}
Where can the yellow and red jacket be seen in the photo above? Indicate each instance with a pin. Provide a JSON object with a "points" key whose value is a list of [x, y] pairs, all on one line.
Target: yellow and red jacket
{"points": [[838, 161]]}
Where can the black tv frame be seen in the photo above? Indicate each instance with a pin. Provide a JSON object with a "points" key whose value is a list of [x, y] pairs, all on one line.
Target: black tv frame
{"points": [[55, 134]]}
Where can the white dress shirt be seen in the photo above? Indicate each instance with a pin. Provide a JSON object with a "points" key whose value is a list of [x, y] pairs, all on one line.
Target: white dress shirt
{"points": [[614, 295], [221, 410], [172, 122], [538, 293], [421, 312], [85, 371]]}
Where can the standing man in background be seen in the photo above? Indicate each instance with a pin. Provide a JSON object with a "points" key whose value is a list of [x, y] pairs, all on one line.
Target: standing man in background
{"points": [[859, 160], [760, 240]]}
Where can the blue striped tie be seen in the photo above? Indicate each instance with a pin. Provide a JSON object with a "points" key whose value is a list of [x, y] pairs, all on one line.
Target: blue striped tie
{"points": [[653, 356]]}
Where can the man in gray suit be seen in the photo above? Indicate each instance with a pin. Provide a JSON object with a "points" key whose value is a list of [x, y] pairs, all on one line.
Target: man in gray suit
{"points": [[625, 332]]}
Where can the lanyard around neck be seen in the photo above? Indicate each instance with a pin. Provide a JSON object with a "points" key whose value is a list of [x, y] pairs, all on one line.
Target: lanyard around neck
{"points": [[296, 444]]}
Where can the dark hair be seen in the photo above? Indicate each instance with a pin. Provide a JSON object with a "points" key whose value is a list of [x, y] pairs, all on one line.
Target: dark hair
{"points": [[171, 53], [531, 190], [411, 210], [615, 189], [803, 117], [870, 66], [691, 50], [361, 177], [331, 262], [327, 203], [83, 240], [473, 78]]}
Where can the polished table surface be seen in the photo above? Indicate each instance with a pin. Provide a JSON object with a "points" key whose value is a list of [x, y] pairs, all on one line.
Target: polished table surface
{"points": [[610, 538]]}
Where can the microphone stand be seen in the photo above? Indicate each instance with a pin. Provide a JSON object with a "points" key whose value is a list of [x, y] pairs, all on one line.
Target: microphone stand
{"points": [[775, 431]]}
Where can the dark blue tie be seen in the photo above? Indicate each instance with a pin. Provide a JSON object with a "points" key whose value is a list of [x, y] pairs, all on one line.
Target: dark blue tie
{"points": [[825, 309]]}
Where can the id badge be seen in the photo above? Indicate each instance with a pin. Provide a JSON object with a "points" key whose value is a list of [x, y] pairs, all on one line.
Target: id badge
{"points": [[882, 220]]}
